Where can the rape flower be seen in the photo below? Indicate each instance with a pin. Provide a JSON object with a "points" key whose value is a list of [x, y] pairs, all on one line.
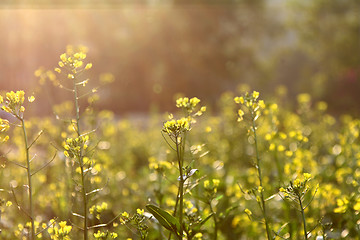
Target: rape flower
{"points": [[88, 66], [31, 99], [4, 125], [140, 211], [176, 127], [248, 212], [252, 103], [198, 235], [189, 105]]}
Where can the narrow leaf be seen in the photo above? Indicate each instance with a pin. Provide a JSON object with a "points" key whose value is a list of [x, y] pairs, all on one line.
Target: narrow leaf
{"points": [[219, 197], [164, 218], [198, 225]]}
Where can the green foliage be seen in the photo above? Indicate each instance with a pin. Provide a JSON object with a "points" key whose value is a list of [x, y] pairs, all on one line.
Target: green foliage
{"points": [[228, 172], [165, 219]]}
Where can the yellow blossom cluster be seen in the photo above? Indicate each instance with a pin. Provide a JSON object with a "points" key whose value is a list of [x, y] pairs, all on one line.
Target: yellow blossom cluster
{"points": [[45, 75], [252, 103], [97, 209], [74, 146], [297, 188], [189, 105], [211, 186], [73, 60], [4, 126], [158, 165], [60, 231], [14, 102], [176, 127], [104, 235]]}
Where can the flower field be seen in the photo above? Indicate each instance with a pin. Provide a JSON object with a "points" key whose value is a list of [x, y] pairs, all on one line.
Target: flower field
{"points": [[255, 169]]}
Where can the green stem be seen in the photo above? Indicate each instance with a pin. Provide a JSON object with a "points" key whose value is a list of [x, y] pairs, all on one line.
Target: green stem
{"points": [[268, 232], [81, 163], [303, 217], [215, 221], [286, 207], [160, 198], [181, 186], [84, 200], [31, 213]]}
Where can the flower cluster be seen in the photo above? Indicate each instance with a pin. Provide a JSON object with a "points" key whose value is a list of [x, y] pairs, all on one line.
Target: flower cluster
{"points": [[104, 235], [73, 61], [189, 105], [23, 231], [252, 103], [4, 126], [14, 102], [211, 186], [136, 221], [176, 127], [60, 231], [159, 166], [97, 209], [45, 75], [297, 189], [74, 146]]}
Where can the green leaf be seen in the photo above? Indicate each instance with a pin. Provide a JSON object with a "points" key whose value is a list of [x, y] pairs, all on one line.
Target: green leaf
{"points": [[219, 197], [165, 219], [197, 226]]}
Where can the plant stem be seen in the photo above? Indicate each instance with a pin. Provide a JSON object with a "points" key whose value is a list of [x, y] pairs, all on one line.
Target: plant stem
{"points": [[286, 207], [81, 163], [181, 186], [31, 213], [303, 217], [84, 200], [215, 220], [268, 232]]}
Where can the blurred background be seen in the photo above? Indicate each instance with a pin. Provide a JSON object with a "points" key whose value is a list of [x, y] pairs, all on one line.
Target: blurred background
{"points": [[156, 49]]}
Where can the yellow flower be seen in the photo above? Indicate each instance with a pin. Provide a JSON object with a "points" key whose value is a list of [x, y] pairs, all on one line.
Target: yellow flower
{"points": [[125, 214], [206, 183], [140, 211], [62, 224], [248, 212], [288, 153], [78, 64], [88, 66], [261, 104], [66, 154], [31, 99], [281, 148], [239, 100], [198, 235], [216, 182], [63, 57], [304, 98], [297, 183], [307, 176]]}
